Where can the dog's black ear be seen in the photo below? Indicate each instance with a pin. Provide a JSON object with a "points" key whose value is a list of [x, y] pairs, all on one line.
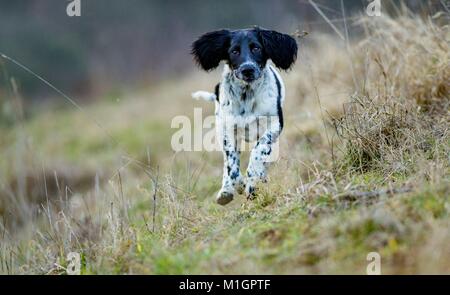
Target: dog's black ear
{"points": [[211, 48], [280, 48]]}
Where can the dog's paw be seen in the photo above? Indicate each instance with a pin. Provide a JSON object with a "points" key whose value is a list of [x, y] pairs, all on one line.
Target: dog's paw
{"points": [[240, 186], [251, 198], [224, 197], [250, 192], [251, 186]]}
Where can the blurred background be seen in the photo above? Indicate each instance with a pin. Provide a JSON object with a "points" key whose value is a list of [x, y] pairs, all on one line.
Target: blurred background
{"points": [[113, 45]]}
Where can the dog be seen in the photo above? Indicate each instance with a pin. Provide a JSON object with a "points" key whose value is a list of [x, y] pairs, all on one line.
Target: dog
{"points": [[248, 100]]}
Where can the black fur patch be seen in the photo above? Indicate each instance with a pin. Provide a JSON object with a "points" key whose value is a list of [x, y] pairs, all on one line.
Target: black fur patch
{"points": [[279, 110], [244, 95], [217, 91], [280, 48], [211, 48], [234, 175]]}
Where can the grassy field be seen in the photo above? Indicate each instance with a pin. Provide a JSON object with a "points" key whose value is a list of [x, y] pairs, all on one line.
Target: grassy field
{"points": [[364, 167]]}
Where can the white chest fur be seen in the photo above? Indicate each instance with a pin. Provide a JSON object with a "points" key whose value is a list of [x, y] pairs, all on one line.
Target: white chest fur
{"points": [[250, 106]]}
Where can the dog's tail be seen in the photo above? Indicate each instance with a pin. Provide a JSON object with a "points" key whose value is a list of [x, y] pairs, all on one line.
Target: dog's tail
{"points": [[205, 95]]}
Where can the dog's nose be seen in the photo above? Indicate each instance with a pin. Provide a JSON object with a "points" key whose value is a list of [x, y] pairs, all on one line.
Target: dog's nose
{"points": [[248, 73]]}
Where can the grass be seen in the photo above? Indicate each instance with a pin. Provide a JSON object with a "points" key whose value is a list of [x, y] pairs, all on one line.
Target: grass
{"points": [[363, 168]]}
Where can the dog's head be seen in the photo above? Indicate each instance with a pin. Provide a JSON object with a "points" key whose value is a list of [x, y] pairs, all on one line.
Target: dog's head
{"points": [[245, 51]]}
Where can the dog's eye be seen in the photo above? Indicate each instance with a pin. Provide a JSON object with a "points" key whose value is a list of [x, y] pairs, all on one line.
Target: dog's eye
{"points": [[235, 51], [256, 49]]}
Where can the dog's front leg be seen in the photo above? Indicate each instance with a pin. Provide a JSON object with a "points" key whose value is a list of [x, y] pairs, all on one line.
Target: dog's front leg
{"points": [[260, 155], [232, 181]]}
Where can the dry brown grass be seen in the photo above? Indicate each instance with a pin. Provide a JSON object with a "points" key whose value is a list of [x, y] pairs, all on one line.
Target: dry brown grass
{"points": [[412, 59], [403, 107]]}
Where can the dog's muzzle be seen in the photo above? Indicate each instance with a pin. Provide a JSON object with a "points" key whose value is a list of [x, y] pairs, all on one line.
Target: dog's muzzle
{"points": [[248, 72]]}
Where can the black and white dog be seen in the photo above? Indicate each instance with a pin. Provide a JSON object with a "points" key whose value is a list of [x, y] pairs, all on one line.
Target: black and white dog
{"points": [[248, 100]]}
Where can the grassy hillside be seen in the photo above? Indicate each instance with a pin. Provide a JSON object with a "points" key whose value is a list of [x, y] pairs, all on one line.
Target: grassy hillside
{"points": [[364, 167]]}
